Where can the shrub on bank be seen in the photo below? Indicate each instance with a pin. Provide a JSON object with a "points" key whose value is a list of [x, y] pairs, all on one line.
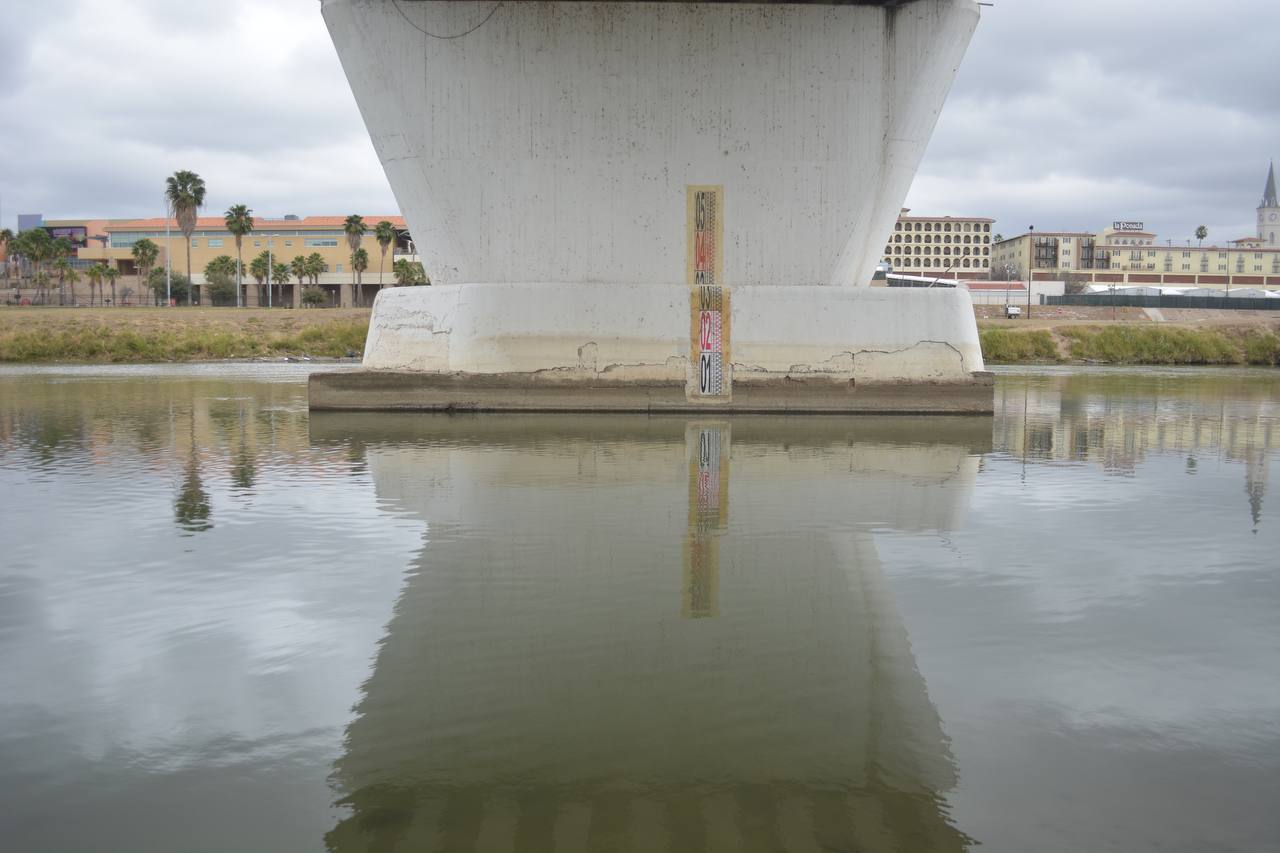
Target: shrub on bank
{"points": [[1262, 348], [1014, 346], [93, 342], [1151, 345]]}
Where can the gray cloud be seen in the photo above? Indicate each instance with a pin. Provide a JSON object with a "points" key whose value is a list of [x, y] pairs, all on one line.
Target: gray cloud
{"points": [[1065, 116], [1069, 115]]}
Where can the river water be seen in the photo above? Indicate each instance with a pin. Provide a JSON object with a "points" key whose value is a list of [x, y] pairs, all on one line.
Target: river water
{"points": [[226, 625]]}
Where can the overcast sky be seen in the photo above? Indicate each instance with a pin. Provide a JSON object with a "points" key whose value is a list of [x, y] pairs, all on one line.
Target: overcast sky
{"points": [[1065, 115]]}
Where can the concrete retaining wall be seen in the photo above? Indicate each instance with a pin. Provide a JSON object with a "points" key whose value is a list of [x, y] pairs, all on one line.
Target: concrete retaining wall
{"points": [[558, 347], [641, 332]]}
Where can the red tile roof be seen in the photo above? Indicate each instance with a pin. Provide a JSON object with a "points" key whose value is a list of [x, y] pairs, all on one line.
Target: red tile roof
{"points": [[260, 224]]}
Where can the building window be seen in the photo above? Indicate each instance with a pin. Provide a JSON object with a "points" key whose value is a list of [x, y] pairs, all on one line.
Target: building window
{"points": [[288, 242], [1186, 267], [897, 226], [319, 242], [257, 244], [338, 268], [195, 244], [215, 242]]}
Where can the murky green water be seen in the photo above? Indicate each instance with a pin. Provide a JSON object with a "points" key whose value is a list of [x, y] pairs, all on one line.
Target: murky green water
{"points": [[226, 625]]}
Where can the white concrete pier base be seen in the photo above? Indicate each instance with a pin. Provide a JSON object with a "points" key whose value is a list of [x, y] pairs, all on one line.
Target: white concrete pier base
{"points": [[571, 347]]}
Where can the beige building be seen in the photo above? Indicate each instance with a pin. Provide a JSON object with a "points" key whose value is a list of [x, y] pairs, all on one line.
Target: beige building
{"points": [[1126, 253], [955, 246], [1136, 258], [286, 238]]}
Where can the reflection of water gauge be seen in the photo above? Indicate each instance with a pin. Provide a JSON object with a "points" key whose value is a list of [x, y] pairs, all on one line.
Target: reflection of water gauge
{"points": [[707, 447]]}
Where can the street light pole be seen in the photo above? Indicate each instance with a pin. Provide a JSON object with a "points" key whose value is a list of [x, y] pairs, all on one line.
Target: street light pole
{"points": [[269, 269], [168, 257], [1031, 266]]}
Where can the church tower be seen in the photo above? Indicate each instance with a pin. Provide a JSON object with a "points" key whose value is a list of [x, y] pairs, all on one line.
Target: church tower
{"points": [[1269, 211]]}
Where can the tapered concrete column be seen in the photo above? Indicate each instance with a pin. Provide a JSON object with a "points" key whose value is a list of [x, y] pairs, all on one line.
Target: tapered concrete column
{"points": [[344, 295], [251, 294]]}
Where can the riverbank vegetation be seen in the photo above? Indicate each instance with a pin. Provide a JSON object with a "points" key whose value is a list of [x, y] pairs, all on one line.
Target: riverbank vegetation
{"points": [[124, 335], [1131, 344]]}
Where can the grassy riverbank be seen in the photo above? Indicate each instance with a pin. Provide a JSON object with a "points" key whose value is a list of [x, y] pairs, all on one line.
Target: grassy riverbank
{"points": [[123, 335], [1132, 344]]}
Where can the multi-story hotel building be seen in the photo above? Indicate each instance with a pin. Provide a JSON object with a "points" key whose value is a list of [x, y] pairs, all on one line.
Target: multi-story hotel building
{"points": [[1126, 253], [954, 246]]}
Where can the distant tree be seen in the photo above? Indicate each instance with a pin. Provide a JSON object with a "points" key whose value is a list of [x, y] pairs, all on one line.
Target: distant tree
{"points": [[62, 269], [221, 269], [409, 273], [1072, 281], [279, 278], [144, 254], [179, 285], [258, 268], [1006, 272], [1201, 233], [239, 220], [95, 275], [314, 296], [220, 275], [110, 274], [185, 192], [316, 267], [298, 266], [997, 237], [360, 263], [6, 243], [385, 233], [35, 247], [355, 229]]}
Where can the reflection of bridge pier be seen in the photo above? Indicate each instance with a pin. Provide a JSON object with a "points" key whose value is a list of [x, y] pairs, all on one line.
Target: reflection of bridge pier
{"points": [[537, 689]]}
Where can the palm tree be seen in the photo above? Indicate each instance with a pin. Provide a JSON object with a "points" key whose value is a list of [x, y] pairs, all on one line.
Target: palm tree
{"points": [[110, 274], [63, 268], [6, 241], [258, 269], [316, 267], [385, 233], [73, 278], [408, 273], [240, 224], [94, 275], [185, 193], [355, 229], [360, 263], [298, 266], [35, 246], [1201, 233], [279, 278], [144, 254]]}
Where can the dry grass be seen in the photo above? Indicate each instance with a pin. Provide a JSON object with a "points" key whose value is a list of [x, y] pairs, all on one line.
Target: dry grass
{"points": [[36, 335]]}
